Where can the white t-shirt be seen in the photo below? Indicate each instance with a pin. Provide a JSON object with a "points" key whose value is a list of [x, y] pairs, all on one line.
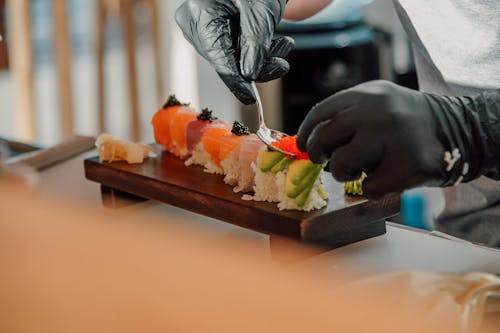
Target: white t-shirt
{"points": [[456, 43]]}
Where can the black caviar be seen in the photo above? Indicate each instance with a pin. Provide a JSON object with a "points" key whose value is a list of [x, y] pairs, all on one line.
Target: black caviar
{"points": [[240, 129], [173, 101], [206, 115]]}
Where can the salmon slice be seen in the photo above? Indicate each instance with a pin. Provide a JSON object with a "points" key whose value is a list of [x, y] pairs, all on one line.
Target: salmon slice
{"points": [[228, 143], [212, 139], [195, 130], [163, 121], [161, 124], [178, 128]]}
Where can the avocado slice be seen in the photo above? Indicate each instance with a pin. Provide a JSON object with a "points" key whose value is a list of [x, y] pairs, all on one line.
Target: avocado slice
{"points": [[269, 159], [293, 190], [281, 165], [301, 199], [299, 169]]}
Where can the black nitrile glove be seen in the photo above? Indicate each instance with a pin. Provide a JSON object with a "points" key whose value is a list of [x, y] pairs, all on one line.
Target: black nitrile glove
{"points": [[235, 36], [403, 138]]}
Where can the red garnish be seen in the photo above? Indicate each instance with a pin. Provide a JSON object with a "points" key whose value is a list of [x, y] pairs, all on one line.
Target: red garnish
{"points": [[289, 144]]}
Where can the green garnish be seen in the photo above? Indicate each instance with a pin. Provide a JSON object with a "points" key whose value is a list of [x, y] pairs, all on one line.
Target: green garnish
{"points": [[355, 187], [173, 101], [206, 115], [240, 129]]}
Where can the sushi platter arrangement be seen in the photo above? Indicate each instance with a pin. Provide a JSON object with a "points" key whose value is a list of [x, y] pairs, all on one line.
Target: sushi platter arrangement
{"points": [[241, 157], [221, 170]]}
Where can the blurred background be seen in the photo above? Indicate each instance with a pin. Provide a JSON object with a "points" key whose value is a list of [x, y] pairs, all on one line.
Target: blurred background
{"points": [[87, 66]]}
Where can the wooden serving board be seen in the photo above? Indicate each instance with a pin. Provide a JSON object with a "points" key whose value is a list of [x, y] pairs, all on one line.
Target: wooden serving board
{"points": [[166, 179]]}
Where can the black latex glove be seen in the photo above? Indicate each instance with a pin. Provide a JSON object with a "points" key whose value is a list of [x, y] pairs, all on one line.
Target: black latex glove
{"points": [[235, 36], [399, 137]]}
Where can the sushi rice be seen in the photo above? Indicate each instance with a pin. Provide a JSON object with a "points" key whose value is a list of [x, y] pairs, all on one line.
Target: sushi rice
{"points": [[231, 167], [199, 156], [266, 186]]}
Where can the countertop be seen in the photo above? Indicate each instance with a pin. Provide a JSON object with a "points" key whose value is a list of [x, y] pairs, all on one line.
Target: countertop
{"points": [[400, 249]]}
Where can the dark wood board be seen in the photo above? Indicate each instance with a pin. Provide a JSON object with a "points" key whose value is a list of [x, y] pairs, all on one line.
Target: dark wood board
{"points": [[166, 179]]}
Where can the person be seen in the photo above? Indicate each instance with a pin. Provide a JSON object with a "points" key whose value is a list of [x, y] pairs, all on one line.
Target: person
{"points": [[445, 134]]}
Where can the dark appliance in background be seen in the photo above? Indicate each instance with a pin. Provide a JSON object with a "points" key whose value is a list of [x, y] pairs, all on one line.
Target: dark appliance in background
{"points": [[327, 58]]}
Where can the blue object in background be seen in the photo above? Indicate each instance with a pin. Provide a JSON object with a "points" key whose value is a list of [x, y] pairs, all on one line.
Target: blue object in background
{"points": [[338, 25], [413, 209]]}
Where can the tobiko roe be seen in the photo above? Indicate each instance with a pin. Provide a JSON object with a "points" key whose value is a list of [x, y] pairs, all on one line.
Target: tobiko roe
{"points": [[289, 144]]}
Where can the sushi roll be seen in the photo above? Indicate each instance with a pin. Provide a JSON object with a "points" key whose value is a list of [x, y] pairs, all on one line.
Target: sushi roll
{"points": [[293, 182], [248, 154], [206, 151], [196, 128], [218, 149], [265, 186], [229, 153], [301, 187], [194, 134], [170, 125]]}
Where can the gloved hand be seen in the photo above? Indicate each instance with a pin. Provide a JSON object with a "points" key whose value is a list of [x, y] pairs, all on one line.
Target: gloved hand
{"points": [[403, 138], [235, 36]]}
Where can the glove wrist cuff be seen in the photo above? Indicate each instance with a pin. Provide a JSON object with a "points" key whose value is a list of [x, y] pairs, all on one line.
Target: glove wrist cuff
{"points": [[461, 129], [453, 132]]}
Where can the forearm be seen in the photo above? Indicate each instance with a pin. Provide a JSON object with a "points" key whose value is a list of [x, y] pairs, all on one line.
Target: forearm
{"points": [[488, 106], [301, 9], [471, 125]]}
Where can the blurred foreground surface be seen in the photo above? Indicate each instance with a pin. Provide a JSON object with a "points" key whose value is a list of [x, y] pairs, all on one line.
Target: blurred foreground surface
{"points": [[67, 267]]}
